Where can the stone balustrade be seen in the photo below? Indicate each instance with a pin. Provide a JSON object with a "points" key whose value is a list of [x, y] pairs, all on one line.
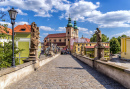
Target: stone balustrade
{"points": [[119, 73]]}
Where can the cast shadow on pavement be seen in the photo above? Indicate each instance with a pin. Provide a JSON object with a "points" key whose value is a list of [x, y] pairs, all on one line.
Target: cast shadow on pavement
{"points": [[104, 80]]}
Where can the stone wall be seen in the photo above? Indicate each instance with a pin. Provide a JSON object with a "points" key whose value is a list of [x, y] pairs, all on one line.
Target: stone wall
{"points": [[116, 72], [11, 75]]}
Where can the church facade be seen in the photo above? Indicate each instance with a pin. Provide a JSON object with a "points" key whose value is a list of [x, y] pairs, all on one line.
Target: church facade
{"points": [[63, 39]]}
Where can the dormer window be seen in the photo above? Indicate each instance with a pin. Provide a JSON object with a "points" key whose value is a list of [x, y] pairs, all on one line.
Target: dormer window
{"points": [[7, 31], [22, 29]]}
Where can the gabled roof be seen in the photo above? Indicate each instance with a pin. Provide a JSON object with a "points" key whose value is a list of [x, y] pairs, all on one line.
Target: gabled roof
{"points": [[20, 27], [57, 35], [9, 30], [88, 40]]}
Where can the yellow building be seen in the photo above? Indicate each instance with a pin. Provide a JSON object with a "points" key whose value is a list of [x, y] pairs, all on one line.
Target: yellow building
{"points": [[89, 49], [125, 48], [62, 39]]}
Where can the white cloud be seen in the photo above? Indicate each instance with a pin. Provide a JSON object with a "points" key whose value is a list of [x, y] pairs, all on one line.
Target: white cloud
{"points": [[45, 34], [82, 29], [87, 11], [119, 34], [16, 23], [61, 29], [62, 16], [112, 19], [85, 31], [82, 9], [45, 28], [20, 12], [4, 9], [40, 7]]}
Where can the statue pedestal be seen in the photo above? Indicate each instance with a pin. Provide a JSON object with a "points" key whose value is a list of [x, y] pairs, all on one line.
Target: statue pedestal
{"points": [[100, 52], [32, 55]]}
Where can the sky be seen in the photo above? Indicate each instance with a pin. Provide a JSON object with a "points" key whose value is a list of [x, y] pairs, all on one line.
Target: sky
{"points": [[51, 16]]}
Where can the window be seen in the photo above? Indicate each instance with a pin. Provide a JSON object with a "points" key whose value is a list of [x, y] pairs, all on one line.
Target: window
{"points": [[64, 39], [59, 40], [68, 39], [86, 44], [50, 40], [78, 44], [45, 40], [22, 29], [82, 44], [90, 44], [78, 49], [55, 40], [68, 32]]}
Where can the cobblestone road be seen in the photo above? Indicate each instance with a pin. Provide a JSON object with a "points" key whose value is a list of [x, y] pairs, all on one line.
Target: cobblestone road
{"points": [[66, 72]]}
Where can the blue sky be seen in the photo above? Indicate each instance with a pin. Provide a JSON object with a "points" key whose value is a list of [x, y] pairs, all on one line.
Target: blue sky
{"points": [[51, 16]]}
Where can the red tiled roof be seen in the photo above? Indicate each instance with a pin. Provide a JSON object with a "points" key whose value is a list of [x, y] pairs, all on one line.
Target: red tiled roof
{"points": [[19, 27], [89, 46], [88, 40], [57, 35], [107, 47], [58, 43], [95, 46], [3, 31]]}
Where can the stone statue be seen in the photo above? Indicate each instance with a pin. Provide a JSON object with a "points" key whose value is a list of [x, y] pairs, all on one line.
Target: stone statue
{"points": [[99, 37], [34, 41], [100, 48], [34, 36]]}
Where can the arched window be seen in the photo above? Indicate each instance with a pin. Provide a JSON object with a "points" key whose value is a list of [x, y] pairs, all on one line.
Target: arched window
{"points": [[68, 32], [86, 44], [45, 40], [90, 44], [68, 39], [55, 40], [65, 40], [78, 44]]}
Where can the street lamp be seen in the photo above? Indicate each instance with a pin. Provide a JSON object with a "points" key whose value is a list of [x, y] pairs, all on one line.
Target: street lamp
{"points": [[13, 14]]}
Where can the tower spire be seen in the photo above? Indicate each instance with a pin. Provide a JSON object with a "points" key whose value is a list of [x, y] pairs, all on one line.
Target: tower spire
{"points": [[69, 22], [75, 25]]}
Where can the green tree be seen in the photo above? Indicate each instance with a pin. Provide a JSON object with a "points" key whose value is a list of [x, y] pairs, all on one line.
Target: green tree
{"points": [[6, 50], [104, 38], [119, 38], [6, 54], [115, 45]]}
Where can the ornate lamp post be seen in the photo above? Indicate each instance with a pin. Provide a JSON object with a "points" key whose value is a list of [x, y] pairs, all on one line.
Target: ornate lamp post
{"points": [[13, 14]]}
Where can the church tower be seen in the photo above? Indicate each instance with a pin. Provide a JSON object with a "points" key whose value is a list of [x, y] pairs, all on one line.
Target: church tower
{"points": [[69, 32], [76, 29]]}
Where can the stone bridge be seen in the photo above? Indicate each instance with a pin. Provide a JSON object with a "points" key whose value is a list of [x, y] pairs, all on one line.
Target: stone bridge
{"points": [[66, 72]]}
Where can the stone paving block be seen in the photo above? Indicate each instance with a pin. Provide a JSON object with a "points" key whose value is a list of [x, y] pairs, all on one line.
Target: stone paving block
{"points": [[66, 72]]}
